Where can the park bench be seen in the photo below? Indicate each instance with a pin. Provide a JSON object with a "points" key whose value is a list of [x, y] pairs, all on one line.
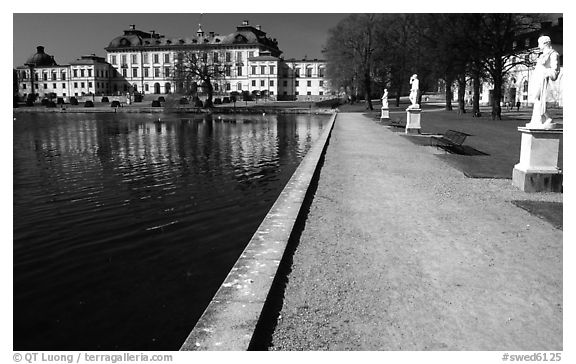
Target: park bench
{"points": [[450, 139], [397, 123]]}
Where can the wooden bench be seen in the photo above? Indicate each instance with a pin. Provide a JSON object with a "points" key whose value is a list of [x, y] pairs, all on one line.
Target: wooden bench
{"points": [[450, 139], [397, 123]]}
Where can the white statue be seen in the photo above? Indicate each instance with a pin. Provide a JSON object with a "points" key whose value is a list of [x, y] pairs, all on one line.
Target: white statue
{"points": [[415, 85], [546, 70], [385, 99]]}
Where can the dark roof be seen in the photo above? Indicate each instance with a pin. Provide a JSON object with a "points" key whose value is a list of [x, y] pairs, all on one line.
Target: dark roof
{"points": [[40, 59], [305, 60], [248, 35], [88, 59], [264, 58]]}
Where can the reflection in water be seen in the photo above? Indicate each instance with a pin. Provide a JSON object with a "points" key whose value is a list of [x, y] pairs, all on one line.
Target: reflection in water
{"points": [[124, 227]]}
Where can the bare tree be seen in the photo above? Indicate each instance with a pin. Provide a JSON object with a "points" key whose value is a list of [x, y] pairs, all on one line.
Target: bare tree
{"points": [[198, 68], [350, 50], [497, 33]]}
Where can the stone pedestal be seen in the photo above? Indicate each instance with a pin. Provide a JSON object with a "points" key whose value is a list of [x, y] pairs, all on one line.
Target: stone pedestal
{"points": [[413, 120], [538, 169], [385, 114]]}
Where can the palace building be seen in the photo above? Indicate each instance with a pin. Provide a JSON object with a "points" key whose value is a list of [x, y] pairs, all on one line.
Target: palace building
{"points": [[147, 62]]}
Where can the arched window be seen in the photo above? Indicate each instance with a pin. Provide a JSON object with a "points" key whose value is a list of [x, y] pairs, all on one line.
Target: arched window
{"points": [[525, 86]]}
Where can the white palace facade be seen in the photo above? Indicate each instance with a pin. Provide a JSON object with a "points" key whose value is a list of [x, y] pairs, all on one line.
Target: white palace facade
{"points": [[145, 62]]}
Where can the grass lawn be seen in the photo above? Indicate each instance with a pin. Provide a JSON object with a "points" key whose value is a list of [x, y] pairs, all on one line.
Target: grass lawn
{"points": [[491, 150]]}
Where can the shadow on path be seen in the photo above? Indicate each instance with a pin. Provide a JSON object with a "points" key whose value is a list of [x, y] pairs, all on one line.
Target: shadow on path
{"points": [[268, 320]]}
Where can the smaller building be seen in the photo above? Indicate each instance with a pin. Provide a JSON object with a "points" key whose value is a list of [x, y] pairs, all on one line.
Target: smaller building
{"points": [[305, 80], [90, 76], [43, 77]]}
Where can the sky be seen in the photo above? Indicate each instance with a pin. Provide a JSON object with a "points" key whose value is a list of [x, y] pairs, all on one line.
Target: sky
{"points": [[68, 36]]}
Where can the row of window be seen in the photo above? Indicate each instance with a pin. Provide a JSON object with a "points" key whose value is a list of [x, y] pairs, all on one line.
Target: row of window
{"points": [[308, 83], [285, 83], [54, 75], [24, 75], [76, 84], [168, 72], [204, 56], [271, 70], [146, 71], [99, 73], [217, 56], [166, 57], [227, 72]]}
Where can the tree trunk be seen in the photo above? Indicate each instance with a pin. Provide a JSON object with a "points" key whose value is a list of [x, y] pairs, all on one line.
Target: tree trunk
{"points": [[462, 93], [448, 94], [497, 97], [398, 92], [210, 92], [369, 101], [476, 95]]}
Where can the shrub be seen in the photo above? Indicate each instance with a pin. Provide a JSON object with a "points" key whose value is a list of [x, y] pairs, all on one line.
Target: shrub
{"points": [[115, 103], [104, 99], [60, 101], [184, 101], [217, 101], [161, 99], [51, 104], [88, 103], [156, 103], [73, 101], [198, 103], [332, 103], [138, 97], [226, 100]]}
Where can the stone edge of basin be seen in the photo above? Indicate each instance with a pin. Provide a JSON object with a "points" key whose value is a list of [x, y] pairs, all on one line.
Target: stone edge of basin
{"points": [[230, 320]]}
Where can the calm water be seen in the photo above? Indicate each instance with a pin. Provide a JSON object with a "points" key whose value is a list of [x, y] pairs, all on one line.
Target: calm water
{"points": [[124, 228]]}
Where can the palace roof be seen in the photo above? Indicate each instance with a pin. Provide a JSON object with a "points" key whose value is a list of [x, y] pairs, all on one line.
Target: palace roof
{"points": [[245, 34], [40, 59]]}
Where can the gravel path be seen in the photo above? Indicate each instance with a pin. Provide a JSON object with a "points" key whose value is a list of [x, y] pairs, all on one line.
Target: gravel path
{"points": [[402, 252]]}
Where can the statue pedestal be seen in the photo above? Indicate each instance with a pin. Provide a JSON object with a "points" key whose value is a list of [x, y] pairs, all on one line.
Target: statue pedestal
{"points": [[538, 169], [413, 120], [385, 114]]}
